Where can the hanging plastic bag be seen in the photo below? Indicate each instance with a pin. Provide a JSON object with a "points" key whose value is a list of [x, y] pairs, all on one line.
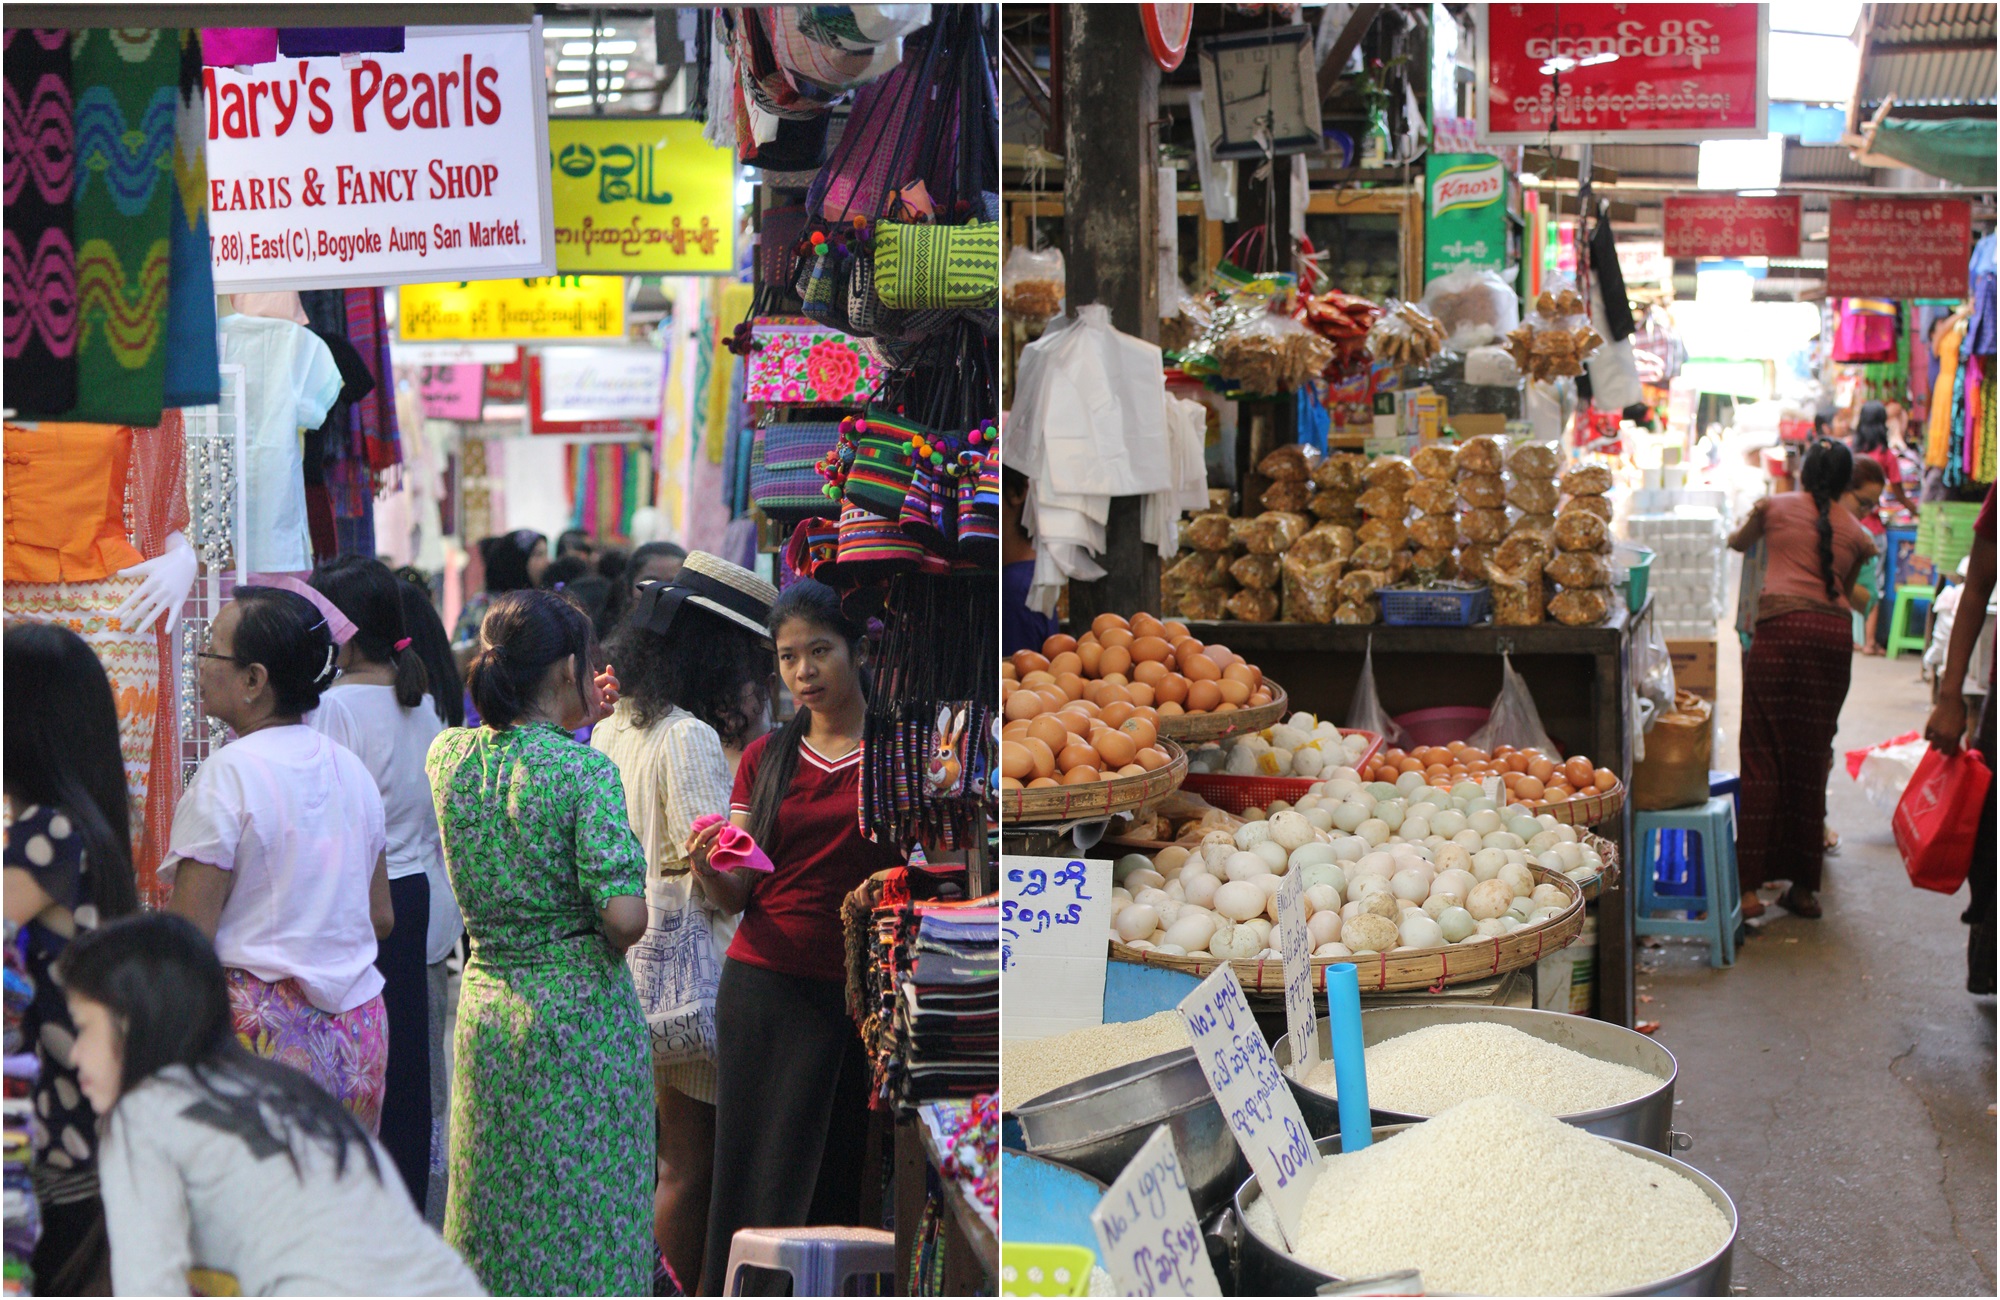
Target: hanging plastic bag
{"points": [[1515, 720], [1365, 712], [1474, 304], [1031, 283], [1937, 820], [1884, 771]]}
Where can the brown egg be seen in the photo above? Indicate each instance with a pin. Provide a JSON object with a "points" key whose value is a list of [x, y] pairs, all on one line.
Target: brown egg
{"points": [[1088, 705], [1088, 638], [1185, 652], [1040, 677], [1226, 707], [1007, 672], [1132, 769], [1027, 661], [1110, 693], [1050, 731], [1171, 709], [1116, 679], [1139, 693], [1501, 751], [1144, 730], [1409, 764], [1105, 622], [1075, 754], [1432, 771], [1115, 713], [1079, 775], [1604, 779], [1202, 669], [1259, 696], [1053, 697], [1015, 730], [1117, 636], [1043, 783], [1072, 685], [1115, 747], [1075, 721], [1578, 772], [1240, 673], [1009, 783], [1147, 625], [1022, 705], [1391, 754], [1044, 758], [1235, 692], [1149, 671], [1203, 696], [1069, 661], [1541, 769], [1015, 761], [1091, 655], [1060, 643], [1174, 630], [1115, 659], [1171, 689], [1528, 790], [1150, 649], [1152, 758], [1518, 761]]}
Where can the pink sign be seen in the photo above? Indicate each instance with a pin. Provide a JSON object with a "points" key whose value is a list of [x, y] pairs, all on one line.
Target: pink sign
{"points": [[453, 392]]}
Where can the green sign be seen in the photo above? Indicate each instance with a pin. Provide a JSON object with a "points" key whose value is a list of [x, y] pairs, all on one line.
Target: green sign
{"points": [[1465, 221]]}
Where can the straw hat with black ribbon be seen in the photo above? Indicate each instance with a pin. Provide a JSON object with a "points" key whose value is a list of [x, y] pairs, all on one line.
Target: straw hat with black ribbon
{"points": [[722, 588]]}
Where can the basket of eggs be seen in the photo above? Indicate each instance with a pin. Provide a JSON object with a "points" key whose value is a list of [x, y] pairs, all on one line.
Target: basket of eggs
{"points": [[1199, 693], [1574, 791], [1068, 758]]}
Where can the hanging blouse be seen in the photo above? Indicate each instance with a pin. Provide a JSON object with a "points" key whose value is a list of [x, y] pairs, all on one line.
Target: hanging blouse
{"points": [[65, 502]]}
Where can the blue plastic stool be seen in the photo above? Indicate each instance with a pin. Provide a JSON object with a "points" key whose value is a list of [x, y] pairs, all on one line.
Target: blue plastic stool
{"points": [[1707, 830]]}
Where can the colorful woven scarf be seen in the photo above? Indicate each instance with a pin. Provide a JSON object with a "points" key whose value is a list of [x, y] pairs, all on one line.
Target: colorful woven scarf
{"points": [[192, 374], [40, 364], [378, 435], [126, 83]]}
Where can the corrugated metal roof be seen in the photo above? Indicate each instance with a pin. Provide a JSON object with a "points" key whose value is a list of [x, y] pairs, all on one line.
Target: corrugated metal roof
{"points": [[1932, 22], [1824, 163], [1648, 161], [1930, 76]]}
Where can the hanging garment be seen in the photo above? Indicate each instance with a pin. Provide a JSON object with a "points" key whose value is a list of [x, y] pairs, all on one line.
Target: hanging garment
{"points": [[1610, 281], [290, 381], [374, 418], [1937, 442], [1980, 327], [192, 375], [1863, 335], [40, 364], [236, 47], [127, 89], [330, 42]]}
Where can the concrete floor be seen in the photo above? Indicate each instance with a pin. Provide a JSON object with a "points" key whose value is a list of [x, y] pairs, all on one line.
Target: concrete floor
{"points": [[1839, 1081]]}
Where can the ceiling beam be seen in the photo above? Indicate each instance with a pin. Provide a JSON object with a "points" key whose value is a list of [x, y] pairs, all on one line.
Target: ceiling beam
{"points": [[1954, 45], [1940, 112], [1023, 74], [1350, 36]]}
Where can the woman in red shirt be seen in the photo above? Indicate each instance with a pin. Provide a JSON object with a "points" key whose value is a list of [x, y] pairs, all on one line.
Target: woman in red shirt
{"points": [[791, 1088], [1796, 675]]}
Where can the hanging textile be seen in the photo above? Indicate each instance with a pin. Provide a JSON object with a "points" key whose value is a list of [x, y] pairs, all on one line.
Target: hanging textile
{"points": [[332, 42], [40, 367], [193, 374], [374, 418], [236, 47], [1937, 440], [126, 84], [1980, 330]]}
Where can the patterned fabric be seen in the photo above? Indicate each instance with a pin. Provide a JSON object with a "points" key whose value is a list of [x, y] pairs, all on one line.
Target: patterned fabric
{"points": [[856, 179], [193, 377], [126, 84], [552, 1096], [1795, 680], [378, 436], [937, 266], [783, 477], [40, 359], [872, 547], [157, 506], [346, 1054], [883, 461], [131, 660]]}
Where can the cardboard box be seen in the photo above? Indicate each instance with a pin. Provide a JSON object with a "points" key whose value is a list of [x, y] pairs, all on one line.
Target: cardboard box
{"points": [[1694, 667], [1474, 426]]}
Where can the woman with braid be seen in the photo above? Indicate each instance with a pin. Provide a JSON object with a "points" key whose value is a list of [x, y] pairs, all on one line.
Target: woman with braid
{"points": [[1796, 674]]}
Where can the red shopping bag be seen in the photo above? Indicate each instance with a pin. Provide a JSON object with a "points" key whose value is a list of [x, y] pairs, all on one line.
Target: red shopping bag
{"points": [[1938, 818]]}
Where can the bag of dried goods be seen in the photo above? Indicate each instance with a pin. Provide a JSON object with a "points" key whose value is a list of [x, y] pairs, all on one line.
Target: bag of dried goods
{"points": [[1352, 613], [1385, 502], [1473, 304], [1434, 461], [1483, 525], [1292, 495], [1219, 500], [1674, 772], [1272, 353], [1274, 531], [1435, 532], [1540, 525], [1392, 472], [1324, 542], [1210, 532], [1534, 496], [1254, 606], [1491, 367], [1517, 596], [1031, 283], [1587, 481], [1390, 531], [1290, 463], [1373, 555], [1581, 606], [1205, 602], [1337, 504], [1362, 584], [1407, 335], [1310, 589], [1580, 530], [1524, 552], [1599, 506], [1472, 560], [1575, 569], [1435, 496], [1534, 460], [1480, 455], [1399, 566], [1343, 471], [1483, 491], [1257, 571], [1555, 338], [1433, 564]]}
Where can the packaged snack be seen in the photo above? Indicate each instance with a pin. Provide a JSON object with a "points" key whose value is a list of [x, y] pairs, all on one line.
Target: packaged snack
{"points": [[1324, 543], [1483, 525], [1541, 525], [1291, 495], [1210, 532], [1342, 471], [1272, 353], [1517, 597], [1580, 530], [1288, 464], [1361, 584], [1435, 532], [1357, 612], [1587, 481], [1435, 496], [1399, 565], [1581, 606], [1473, 305], [1031, 283], [1273, 532], [1599, 506], [1254, 606], [1372, 555], [1335, 504], [1384, 502], [1578, 569], [1434, 461], [1256, 571], [1407, 334], [1534, 496], [1472, 561], [1534, 460], [1220, 499], [1483, 491], [1555, 339], [1434, 564], [1194, 569], [1524, 553], [1310, 594], [1478, 456], [1392, 533], [1205, 602], [1392, 472]]}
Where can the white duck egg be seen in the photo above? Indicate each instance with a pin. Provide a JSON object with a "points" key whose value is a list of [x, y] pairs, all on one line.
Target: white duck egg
{"points": [[1349, 848], [1550, 861], [1260, 927], [1410, 782], [1411, 884], [1173, 857], [1519, 879], [1323, 927], [1542, 841], [1289, 830], [1437, 903], [1216, 847], [1192, 930], [1566, 833], [1549, 896], [1365, 887], [1269, 883], [1376, 863], [1523, 825], [1489, 899], [1349, 815], [1521, 909], [1571, 855], [1325, 875], [1321, 818], [1176, 891], [1448, 822], [1136, 922], [1250, 833], [1455, 880], [1415, 826], [1119, 891], [1491, 927], [1452, 857], [1375, 831], [1244, 866], [1200, 887], [1306, 855], [1505, 840], [1272, 855], [1151, 897], [1140, 881], [1384, 905], [1239, 900], [1350, 909], [1486, 863], [1455, 923], [1485, 822], [1390, 814], [1140, 945], [1340, 787], [1469, 840], [1128, 864], [1468, 790], [1420, 931], [1332, 951], [1322, 898]]}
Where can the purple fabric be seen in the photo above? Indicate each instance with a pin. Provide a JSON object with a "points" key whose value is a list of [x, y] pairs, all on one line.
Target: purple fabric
{"points": [[230, 47], [316, 42]]}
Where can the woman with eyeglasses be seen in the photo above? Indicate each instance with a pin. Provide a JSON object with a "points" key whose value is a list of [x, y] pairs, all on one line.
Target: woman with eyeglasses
{"points": [[278, 851]]}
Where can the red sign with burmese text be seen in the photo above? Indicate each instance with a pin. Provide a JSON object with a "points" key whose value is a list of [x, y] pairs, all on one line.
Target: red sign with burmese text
{"points": [[1730, 225], [1898, 248], [1611, 72]]}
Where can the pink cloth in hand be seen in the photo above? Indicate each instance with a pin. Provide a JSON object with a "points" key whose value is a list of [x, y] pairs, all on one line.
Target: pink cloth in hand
{"points": [[733, 849]]}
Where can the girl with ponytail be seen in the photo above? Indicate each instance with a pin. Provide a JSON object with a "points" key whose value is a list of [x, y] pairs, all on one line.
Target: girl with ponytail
{"points": [[1795, 676], [379, 709], [802, 1109]]}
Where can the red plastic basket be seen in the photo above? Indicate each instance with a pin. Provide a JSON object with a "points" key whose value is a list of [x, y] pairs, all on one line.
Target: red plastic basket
{"points": [[1233, 794]]}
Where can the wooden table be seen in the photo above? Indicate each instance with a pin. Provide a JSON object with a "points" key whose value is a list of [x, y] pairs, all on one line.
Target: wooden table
{"points": [[1580, 678]]}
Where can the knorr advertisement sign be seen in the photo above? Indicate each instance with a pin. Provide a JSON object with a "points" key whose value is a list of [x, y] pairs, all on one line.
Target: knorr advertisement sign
{"points": [[1465, 217]]}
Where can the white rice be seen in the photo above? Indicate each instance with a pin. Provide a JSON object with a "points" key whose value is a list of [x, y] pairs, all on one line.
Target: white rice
{"points": [[1430, 1070], [1587, 1218], [1041, 1065], [1101, 1282]]}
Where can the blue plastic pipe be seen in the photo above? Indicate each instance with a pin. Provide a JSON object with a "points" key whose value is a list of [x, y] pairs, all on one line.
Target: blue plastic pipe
{"points": [[1350, 1069]]}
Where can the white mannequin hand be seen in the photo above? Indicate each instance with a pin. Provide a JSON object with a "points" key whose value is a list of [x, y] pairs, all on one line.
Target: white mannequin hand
{"points": [[163, 588]]}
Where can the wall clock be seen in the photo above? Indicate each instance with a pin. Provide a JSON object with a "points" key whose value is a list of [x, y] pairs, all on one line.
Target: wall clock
{"points": [[1260, 83]]}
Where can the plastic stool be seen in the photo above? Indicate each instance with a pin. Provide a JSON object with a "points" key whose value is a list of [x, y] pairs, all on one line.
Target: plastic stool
{"points": [[1900, 636], [821, 1261], [1705, 828]]}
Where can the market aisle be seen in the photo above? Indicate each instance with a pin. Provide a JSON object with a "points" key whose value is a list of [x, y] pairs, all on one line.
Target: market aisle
{"points": [[1837, 1080]]}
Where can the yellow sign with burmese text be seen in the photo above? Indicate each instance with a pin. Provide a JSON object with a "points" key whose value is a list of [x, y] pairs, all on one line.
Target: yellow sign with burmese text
{"points": [[556, 308], [641, 197]]}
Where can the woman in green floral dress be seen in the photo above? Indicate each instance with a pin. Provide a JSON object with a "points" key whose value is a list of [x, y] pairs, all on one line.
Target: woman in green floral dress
{"points": [[551, 1123]]}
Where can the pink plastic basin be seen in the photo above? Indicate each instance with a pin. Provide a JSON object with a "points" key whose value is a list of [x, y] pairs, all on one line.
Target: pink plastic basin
{"points": [[1442, 726]]}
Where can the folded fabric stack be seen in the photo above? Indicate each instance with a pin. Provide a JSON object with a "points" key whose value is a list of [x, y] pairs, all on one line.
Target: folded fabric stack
{"points": [[936, 989]]}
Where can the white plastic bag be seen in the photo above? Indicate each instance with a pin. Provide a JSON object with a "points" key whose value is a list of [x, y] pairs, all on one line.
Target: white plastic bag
{"points": [[1886, 772], [1365, 712], [1614, 370], [1475, 304], [1093, 426], [1515, 720]]}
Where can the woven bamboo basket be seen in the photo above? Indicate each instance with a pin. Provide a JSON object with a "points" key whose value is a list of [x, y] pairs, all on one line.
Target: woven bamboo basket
{"points": [[1402, 972], [1608, 853], [1585, 810], [1200, 728], [1068, 803]]}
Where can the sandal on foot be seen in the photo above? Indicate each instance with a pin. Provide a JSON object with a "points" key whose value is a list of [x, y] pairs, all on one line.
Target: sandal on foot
{"points": [[1753, 906], [1801, 902]]}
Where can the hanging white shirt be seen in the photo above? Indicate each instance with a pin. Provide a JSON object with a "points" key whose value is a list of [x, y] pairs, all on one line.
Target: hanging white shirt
{"points": [[290, 382]]}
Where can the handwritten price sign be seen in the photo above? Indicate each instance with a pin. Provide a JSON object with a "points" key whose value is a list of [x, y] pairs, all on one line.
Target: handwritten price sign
{"points": [[1146, 1226], [1055, 916], [1295, 945], [1261, 1110]]}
